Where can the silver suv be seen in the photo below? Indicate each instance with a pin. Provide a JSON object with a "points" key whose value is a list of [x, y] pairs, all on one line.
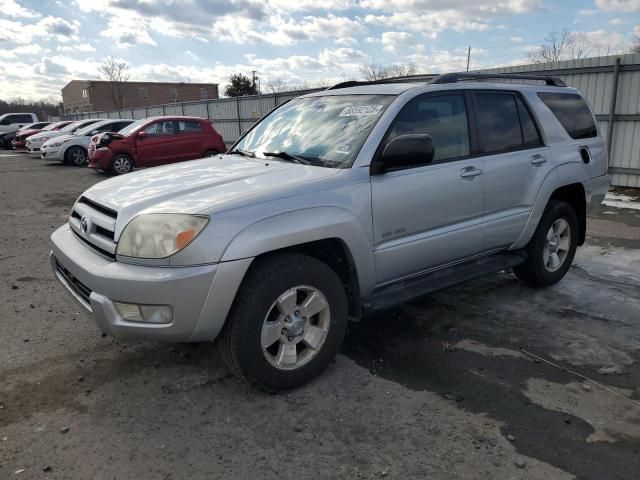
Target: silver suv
{"points": [[337, 203]]}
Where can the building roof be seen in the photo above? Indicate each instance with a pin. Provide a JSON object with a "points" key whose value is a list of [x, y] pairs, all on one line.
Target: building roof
{"points": [[133, 82]]}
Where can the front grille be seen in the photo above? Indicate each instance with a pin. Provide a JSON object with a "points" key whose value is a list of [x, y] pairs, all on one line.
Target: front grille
{"points": [[94, 225], [77, 286]]}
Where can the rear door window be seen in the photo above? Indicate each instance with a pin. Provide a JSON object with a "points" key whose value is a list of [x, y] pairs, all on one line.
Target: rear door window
{"points": [[530, 135], [189, 127], [572, 112], [498, 122]]}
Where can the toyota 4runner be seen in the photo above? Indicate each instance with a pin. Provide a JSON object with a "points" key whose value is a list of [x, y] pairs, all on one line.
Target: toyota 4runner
{"points": [[336, 203]]}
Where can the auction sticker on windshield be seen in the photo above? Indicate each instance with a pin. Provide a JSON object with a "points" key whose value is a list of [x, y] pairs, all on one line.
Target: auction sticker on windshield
{"points": [[361, 110]]}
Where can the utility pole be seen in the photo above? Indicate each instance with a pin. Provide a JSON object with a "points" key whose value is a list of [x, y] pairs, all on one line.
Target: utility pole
{"points": [[468, 58], [253, 78]]}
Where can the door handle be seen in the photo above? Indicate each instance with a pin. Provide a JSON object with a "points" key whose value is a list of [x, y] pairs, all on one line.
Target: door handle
{"points": [[538, 159], [470, 172]]}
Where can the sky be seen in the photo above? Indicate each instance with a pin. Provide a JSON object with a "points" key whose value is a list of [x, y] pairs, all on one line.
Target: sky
{"points": [[44, 44]]}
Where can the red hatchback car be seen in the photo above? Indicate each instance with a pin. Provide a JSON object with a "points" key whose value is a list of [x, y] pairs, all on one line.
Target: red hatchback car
{"points": [[154, 141], [19, 141]]}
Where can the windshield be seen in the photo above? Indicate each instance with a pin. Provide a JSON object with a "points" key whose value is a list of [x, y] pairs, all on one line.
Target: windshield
{"points": [[132, 127], [327, 131], [53, 126], [89, 128], [70, 128]]}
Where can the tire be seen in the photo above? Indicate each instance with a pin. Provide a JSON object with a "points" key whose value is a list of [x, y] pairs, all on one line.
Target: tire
{"points": [[256, 313], [121, 164], [210, 153], [76, 156], [541, 268]]}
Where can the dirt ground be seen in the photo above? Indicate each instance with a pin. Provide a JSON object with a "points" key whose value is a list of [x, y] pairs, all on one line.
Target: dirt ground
{"points": [[440, 388]]}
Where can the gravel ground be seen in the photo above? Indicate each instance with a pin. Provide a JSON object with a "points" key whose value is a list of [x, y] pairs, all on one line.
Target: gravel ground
{"points": [[440, 388]]}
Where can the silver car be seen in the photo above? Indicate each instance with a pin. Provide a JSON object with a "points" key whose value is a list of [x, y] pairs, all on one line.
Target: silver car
{"points": [[336, 204], [72, 148]]}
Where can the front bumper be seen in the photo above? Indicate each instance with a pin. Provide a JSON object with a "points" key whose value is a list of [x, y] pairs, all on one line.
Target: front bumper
{"points": [[100, 158], [595, 191], [52, 153], [200, 296]]}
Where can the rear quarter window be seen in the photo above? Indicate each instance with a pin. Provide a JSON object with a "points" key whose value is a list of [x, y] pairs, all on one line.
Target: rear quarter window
{"points": [[572, 112]]}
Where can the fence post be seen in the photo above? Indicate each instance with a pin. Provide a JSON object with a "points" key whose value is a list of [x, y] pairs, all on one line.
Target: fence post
{"points": [[182, 105], [208, 112], [164, 111], [239, 121], [612, 109], [146, 112]]}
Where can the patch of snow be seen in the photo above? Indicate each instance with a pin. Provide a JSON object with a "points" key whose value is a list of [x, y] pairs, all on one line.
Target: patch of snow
{"points": [[618, 200]]}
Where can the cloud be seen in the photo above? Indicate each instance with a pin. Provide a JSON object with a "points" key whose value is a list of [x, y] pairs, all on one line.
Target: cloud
{"points": [[395, 42], [50, 68], [12, 9], [619, 5], [128, 31]]}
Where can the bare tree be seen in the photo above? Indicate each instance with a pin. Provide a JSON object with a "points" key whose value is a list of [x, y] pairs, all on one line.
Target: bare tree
{"points": [[277, 85], [635, 46], [115, 72], [562, 46], [375, 71]]}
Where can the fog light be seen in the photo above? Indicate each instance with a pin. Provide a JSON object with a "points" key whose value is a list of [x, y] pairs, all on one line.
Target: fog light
{"points": [[132, 312]]}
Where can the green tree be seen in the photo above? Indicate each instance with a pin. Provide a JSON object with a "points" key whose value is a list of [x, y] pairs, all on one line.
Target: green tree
{"points": [[240, 85]]}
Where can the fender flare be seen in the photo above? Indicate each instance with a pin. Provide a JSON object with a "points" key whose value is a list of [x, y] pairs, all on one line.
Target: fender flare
{"points": [[306, 225]]}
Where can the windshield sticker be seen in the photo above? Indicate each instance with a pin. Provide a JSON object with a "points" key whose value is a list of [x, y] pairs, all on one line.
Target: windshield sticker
{"points": [[344, 148], [361, 110]]}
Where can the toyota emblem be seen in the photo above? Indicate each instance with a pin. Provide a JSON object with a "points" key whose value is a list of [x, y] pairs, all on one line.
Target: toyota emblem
{"points": [[84, 225]]}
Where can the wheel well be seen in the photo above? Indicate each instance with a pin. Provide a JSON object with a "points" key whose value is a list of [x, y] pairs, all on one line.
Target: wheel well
{"points": [[574, 195], [334, 253]]}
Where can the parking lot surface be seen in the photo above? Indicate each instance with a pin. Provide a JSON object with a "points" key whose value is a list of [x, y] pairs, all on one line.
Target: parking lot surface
{"points": [[455, 385]]}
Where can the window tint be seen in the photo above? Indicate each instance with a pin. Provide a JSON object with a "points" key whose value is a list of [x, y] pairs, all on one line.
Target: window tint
{"points": [[530, 136], [498, 122], [189, 127], [572, 112], [444, 117], [24, 119], [161, 129]]}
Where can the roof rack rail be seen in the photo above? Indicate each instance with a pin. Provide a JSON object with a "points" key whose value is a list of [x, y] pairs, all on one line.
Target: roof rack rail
{"points": [[456, 77], [407, 79]]}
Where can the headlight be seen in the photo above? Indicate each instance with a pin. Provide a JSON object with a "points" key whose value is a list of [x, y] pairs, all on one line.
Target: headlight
{"points": [[59, 142], [159, 235]]}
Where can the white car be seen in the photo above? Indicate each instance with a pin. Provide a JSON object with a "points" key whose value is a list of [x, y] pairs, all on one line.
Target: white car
{"points": [[72, 148], [34, 142]]}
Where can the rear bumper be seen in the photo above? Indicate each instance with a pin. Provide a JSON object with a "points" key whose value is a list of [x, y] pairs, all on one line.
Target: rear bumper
{"points": [[595, 191], [200, 296]]}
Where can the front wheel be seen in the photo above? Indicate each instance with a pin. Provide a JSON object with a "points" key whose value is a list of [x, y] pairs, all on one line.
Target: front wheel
{"points": [[287, 323], [76, 156], [121, 164], [551, 250]]}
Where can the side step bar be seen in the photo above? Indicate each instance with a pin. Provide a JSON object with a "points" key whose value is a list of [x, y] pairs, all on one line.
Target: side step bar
{"points": [[403, 290]]}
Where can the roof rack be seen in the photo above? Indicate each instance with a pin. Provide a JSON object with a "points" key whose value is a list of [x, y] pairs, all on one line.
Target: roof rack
{"points": [[407, 79], [456, 77]]}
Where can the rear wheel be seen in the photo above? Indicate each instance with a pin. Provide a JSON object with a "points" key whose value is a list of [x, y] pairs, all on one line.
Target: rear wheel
{"points": [[287, 323], [552, 248], [76, 156], [121, 163]]}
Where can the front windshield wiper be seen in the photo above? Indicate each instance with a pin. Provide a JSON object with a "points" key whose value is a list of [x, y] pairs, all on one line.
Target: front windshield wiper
{"points": [[289, 157], [244, 153]]}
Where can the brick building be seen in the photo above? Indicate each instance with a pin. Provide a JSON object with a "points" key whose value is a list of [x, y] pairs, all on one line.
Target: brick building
{"points": [[98, 95]]}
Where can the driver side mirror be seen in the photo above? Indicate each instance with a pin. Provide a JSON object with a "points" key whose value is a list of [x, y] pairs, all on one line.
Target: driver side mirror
{"points": [[142, 135], [404, 151]]}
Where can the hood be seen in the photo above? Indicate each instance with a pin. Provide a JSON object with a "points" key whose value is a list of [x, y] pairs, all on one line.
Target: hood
{"points": [[26, 133], [201, 185], [48, 134], [57, 139]]}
